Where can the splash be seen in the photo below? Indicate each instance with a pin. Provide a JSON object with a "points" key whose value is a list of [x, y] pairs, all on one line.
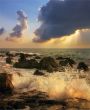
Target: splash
{"points": [[57, 85]]}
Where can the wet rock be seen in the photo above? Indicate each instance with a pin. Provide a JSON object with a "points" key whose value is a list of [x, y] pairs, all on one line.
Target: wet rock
{"points": [[39, 73], [33, 63], [37, 57], [49, 64], [80, 104], [6, 86], [82, 66], [23, 64], [59, 58], [39, 100], [22, 58], [61, 69], [8, 54], [50, 69], [66, 62], [9, 60], [19, 104], [28, 64], [12, 105]]}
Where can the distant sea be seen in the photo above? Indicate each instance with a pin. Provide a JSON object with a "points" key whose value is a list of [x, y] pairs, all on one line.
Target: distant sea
{"points": [[81, 54]]}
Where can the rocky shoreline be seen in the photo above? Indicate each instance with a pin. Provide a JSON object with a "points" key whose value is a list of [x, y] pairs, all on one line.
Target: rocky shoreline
{"points": [[41, 62], [40, 101], [37, 100]]}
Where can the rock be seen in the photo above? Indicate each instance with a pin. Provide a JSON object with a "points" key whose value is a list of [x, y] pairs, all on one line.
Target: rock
{"points": [[39, 73], [40, 101], [33, 63], [12, 105], [50, 69], [82, 66], [29, 64], [61, 69], [6, 86], [9, 60], [80, 104], [9, 54], [25, 54], [19, 104], [49, 64], [37, 57], [22, 58], [63, 63], [23, 64], [59, 58], [66, 62]]}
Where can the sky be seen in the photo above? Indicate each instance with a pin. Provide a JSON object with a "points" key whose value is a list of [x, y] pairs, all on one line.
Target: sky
{"points": [[44, 23]]}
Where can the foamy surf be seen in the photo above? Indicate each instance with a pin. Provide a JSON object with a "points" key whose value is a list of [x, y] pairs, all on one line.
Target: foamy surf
{"points": [[57, 85], [69, 89]]}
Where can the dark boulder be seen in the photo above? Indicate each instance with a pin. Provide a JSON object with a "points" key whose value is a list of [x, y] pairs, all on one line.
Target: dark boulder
{"points": [[23, 54], [9, 54], [66, 62], [49, 64], [82, 66], [23, 64], [39, 73], [17, 54], [33, 63], [50, 69], [61, 69], [9, 60], [37, 57], [28, 64], [6, 86], [22, 57], [59, 58]]}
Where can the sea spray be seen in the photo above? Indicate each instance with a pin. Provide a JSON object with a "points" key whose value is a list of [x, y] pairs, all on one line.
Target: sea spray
{"points": [[58, 85]]}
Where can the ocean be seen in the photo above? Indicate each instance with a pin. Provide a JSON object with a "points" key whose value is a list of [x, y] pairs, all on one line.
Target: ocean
{"points": [[74, 53], [57, 85]]}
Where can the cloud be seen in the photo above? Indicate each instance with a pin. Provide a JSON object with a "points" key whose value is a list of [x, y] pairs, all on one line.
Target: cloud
{"points": [[80, 39], [2, 30], [62, 18], [20, 27]]}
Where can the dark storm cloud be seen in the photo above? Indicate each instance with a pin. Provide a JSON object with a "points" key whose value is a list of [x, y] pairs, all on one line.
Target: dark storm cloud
{"points": [[21, 26], [2, 31], [62, 17], [17, 31]]}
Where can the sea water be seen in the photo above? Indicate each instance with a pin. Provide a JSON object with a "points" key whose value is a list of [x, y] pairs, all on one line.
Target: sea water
{"points": [[57, 85]]}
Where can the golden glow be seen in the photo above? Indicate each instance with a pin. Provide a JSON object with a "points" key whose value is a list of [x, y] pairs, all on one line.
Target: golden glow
{"points": [[80, 39]]}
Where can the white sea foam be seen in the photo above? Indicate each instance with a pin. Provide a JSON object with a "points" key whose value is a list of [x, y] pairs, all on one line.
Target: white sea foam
{"points": [[57, 85]]}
